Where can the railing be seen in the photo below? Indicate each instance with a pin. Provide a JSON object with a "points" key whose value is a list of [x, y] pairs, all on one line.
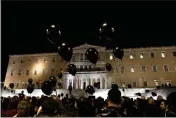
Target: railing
{"points": [[88, 69]]}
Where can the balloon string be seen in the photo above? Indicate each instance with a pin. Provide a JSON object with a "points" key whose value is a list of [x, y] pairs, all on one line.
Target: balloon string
{"points": [[117, 71]]}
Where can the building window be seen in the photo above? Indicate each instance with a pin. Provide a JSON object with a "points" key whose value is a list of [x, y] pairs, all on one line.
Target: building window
{"points": [[17, 85], [141, 55], [156, 82], [123, 84], [52, 71], [163, 55], [37, 60], [85, 67], [111, 57], [143, 68], [22, 60], [131, 56], [132, 68], [166, 68], [35, 72], [54, 59], [81, 57], [152, 55], [98, 57], [27, 72], [45, 60], [13, 61], [134, 84], [25, 85], [168, 82], [122, 69], [11, 73], [154, 68], [73, 58], [174, 53], [112, 83], [85, 57], [90, 67], [45, 71], [29, 59], [81, 67], [19, 72], [145, 83]]}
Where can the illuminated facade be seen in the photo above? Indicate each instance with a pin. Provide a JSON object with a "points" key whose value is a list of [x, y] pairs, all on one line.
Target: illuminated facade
{"points": [[141, 67]]}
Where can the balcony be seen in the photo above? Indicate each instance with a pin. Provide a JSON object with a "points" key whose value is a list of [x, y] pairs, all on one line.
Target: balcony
{"points": [[89, 69]]}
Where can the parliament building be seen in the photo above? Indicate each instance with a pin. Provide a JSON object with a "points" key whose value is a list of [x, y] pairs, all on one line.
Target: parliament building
{"points": [[141, 68]]}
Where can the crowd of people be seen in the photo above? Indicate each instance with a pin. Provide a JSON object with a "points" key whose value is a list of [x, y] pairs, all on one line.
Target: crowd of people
{"points": [[63, 106]]}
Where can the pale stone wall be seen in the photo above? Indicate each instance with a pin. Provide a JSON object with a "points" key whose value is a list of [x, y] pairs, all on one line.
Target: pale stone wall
{"points": [[30, 62]]}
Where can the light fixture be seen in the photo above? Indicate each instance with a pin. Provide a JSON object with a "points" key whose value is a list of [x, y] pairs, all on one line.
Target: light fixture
{"points": [[53, 26], [131, 56], [104, 24]]}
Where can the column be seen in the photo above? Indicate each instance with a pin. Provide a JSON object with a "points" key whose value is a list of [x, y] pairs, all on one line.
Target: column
{"points": [[106, 82], [76, 84], [67, 83], [81, 84], [101, 83], [91, 82], [87, 82]]}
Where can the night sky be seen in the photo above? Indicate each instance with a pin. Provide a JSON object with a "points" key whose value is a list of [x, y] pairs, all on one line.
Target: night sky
{"points": [[138, 24]]}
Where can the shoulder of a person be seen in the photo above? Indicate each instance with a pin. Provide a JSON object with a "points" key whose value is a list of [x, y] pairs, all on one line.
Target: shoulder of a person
{"points": [[15, 115], [171, 113]]}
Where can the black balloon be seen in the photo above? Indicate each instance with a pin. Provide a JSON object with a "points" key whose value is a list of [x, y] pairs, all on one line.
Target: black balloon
{"points": [[54, 34], [71, 69], [30, 80], [62, 95], [11, 85], [154, 94], [47, 87], [60, 75], [96, 85], [108, 67], [107, 34], [118, 52], [90, 89], [65, 51], [92, 55], [30, 88], [53, 81], [107, 29]]}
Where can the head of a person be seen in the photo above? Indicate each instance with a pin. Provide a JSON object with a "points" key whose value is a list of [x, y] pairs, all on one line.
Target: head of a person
{"points": [[114, 97], [5, 103], [50, 107], [150, 100], [143, 97], [163, 104], [160, 98], [23, 108]]}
